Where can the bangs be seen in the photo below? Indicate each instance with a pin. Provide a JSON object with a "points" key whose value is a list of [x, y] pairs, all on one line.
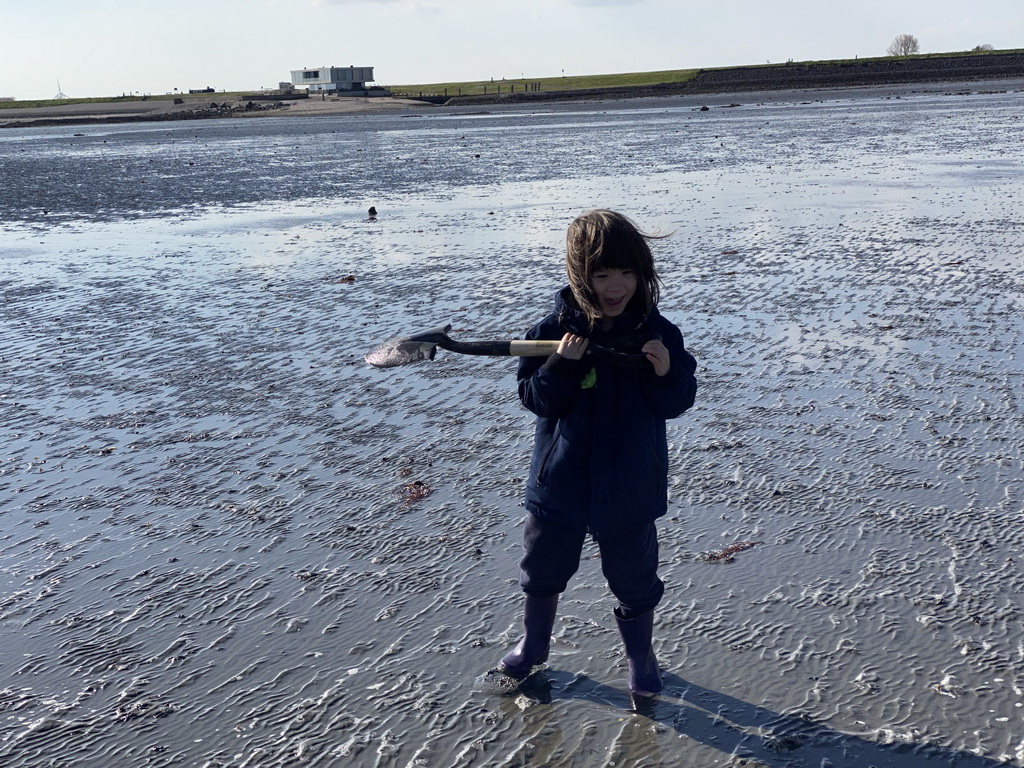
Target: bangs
{"points": [[619, 250]]}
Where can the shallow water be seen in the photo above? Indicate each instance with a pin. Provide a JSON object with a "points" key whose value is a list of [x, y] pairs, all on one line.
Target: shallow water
{"points": [[227, 541]]}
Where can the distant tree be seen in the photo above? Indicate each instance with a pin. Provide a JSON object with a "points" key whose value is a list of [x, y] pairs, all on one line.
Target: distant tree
{"points": [[903, 45], [982, 47]]}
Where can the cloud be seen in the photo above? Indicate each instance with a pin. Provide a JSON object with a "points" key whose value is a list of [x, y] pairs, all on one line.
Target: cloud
{"points": [[592, 3], [413, 5], [358, 2]]}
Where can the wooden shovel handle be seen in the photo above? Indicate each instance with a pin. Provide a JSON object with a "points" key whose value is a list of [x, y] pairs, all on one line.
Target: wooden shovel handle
{"points": [[532, 348]]}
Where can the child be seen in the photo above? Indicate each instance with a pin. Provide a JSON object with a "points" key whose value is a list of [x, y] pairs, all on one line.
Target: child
{"points": [[600, 457]]}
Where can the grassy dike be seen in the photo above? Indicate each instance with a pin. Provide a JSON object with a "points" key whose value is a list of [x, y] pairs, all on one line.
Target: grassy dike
{"points": [[544, 84], [809, 74], [39, 103]]}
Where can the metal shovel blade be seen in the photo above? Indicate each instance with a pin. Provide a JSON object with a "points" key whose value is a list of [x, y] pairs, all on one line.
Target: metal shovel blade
{"points": [[410, 349]]}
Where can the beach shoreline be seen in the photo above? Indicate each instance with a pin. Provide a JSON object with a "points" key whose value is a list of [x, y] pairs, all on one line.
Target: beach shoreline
{"points": [[209, 107]]}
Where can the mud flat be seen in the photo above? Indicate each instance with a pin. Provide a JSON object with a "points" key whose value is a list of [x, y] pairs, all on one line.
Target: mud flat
{"points": [[227, 541]]}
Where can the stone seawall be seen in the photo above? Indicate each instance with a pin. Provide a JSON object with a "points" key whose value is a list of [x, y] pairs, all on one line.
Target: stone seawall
{"points": [[865, 72]]}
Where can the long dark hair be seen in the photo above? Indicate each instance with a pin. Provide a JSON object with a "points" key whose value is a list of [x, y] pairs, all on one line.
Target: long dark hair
{"points": [[602, 239]]}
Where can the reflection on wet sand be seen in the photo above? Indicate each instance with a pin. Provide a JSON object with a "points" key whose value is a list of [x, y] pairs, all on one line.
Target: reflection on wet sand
{"points": [[744, 733]]}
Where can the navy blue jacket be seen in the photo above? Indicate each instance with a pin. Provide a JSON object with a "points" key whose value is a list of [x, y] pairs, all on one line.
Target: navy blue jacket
{"points": [[600, 457]]}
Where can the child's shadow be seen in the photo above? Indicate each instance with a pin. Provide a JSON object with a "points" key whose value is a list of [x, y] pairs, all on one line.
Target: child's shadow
{"points": [[748, 731]]}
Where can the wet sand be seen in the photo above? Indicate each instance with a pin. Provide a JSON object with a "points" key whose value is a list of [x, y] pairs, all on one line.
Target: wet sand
{"points": [[213, 547]]}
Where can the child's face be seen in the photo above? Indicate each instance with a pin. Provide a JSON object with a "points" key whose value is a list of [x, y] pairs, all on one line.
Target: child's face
{"points": [[614, 288]]}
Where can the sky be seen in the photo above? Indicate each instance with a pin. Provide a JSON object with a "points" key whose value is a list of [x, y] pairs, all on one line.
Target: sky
{"points": [[114, 47]]}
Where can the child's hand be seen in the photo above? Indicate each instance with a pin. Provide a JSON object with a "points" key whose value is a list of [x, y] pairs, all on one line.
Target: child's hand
{"points": [[657, 353], [572, 347]]}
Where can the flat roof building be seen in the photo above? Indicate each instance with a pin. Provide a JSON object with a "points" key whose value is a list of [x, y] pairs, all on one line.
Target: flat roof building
{"points": [[333, 78]]}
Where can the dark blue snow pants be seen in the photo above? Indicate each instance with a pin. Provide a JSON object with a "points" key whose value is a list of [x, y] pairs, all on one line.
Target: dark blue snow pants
{"points": [[629, 561]]}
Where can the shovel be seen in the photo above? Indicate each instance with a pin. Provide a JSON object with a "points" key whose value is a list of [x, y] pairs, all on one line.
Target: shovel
{"points": [[423, 346]]}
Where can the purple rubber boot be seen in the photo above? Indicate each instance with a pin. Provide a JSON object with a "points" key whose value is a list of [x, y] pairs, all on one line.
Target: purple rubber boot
{"points": [[644, 675], [539, 620]]}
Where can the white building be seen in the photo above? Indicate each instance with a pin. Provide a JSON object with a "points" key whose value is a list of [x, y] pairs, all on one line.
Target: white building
{"points": [[333, 79]]}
